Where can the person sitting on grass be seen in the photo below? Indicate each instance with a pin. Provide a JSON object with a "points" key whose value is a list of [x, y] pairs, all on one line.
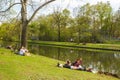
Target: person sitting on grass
{"points": [[24, 52], [67, 64], [77, 64]]}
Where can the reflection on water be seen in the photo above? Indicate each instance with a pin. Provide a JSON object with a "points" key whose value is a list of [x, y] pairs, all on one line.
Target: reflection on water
{"points": [[108, 61], [101, 60]]}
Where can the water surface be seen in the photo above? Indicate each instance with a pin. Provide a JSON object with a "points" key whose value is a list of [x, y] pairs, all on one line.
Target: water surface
{"points": [[106, 61]]}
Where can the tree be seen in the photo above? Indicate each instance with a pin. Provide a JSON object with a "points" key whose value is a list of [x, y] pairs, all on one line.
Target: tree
{"points": [[116, 23], [82, 23], [58, 19], [24, 15], [101, 21], [9, 32], [104, 17], [46, 28], [65, 23]]}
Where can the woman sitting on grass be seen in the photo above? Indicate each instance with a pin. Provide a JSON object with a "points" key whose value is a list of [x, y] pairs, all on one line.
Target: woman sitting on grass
{"points": [[77, 64], [24, 52]]}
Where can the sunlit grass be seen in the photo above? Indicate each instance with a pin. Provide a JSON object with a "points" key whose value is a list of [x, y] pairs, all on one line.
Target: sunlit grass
{"points": [[15, 67]]}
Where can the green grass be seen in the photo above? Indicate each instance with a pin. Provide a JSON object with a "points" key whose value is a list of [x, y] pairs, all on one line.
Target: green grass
{"points": [[15, 67], [115, 46]]}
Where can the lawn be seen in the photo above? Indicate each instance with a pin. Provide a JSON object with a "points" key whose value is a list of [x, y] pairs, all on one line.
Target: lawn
{"points": [[15, 67], [105, 46]]}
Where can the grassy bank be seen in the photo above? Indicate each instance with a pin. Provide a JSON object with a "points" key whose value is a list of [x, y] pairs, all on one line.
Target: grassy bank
{"points": [[111, 47], [15, 67]]}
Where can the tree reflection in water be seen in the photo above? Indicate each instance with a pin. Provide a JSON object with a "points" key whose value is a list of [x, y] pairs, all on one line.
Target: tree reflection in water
{"points": [[106, 61]]}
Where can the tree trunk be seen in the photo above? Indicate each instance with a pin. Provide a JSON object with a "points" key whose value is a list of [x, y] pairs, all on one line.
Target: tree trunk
{"points": [[59, 33], [24, 23], [24, 34], [79, 36]]}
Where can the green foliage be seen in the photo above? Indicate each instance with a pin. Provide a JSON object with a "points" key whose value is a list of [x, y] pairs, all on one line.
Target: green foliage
{"points": [[9, 31], [92, 23]]}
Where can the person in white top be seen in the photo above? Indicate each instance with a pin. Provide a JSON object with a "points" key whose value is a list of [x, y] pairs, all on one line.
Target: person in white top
{"points": [[22, 51]]}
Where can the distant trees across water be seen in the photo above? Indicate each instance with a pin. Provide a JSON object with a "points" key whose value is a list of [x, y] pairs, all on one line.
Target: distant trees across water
{"points": [[91, 23]]}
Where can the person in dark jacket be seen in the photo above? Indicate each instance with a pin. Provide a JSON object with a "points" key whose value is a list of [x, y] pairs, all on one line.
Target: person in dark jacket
{"points": [[67, 64]]}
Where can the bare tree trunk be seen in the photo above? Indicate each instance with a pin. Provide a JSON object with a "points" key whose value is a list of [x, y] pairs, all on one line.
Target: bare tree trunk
{"points": [[24, 23], [24, 34]]}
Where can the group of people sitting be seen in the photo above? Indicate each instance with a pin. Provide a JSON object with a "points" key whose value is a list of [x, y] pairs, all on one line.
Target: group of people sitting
{"points": [[77, 65]]}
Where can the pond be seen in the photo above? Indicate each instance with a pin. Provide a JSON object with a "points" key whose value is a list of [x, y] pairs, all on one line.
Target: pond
{"points": [[106, 61]]}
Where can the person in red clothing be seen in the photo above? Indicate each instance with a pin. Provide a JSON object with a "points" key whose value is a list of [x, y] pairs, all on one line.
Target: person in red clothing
{"points": [[77, 64]]}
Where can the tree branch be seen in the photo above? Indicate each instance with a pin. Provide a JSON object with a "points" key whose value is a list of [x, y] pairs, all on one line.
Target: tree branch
{"points": [[39, 9], [9, 7]]}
